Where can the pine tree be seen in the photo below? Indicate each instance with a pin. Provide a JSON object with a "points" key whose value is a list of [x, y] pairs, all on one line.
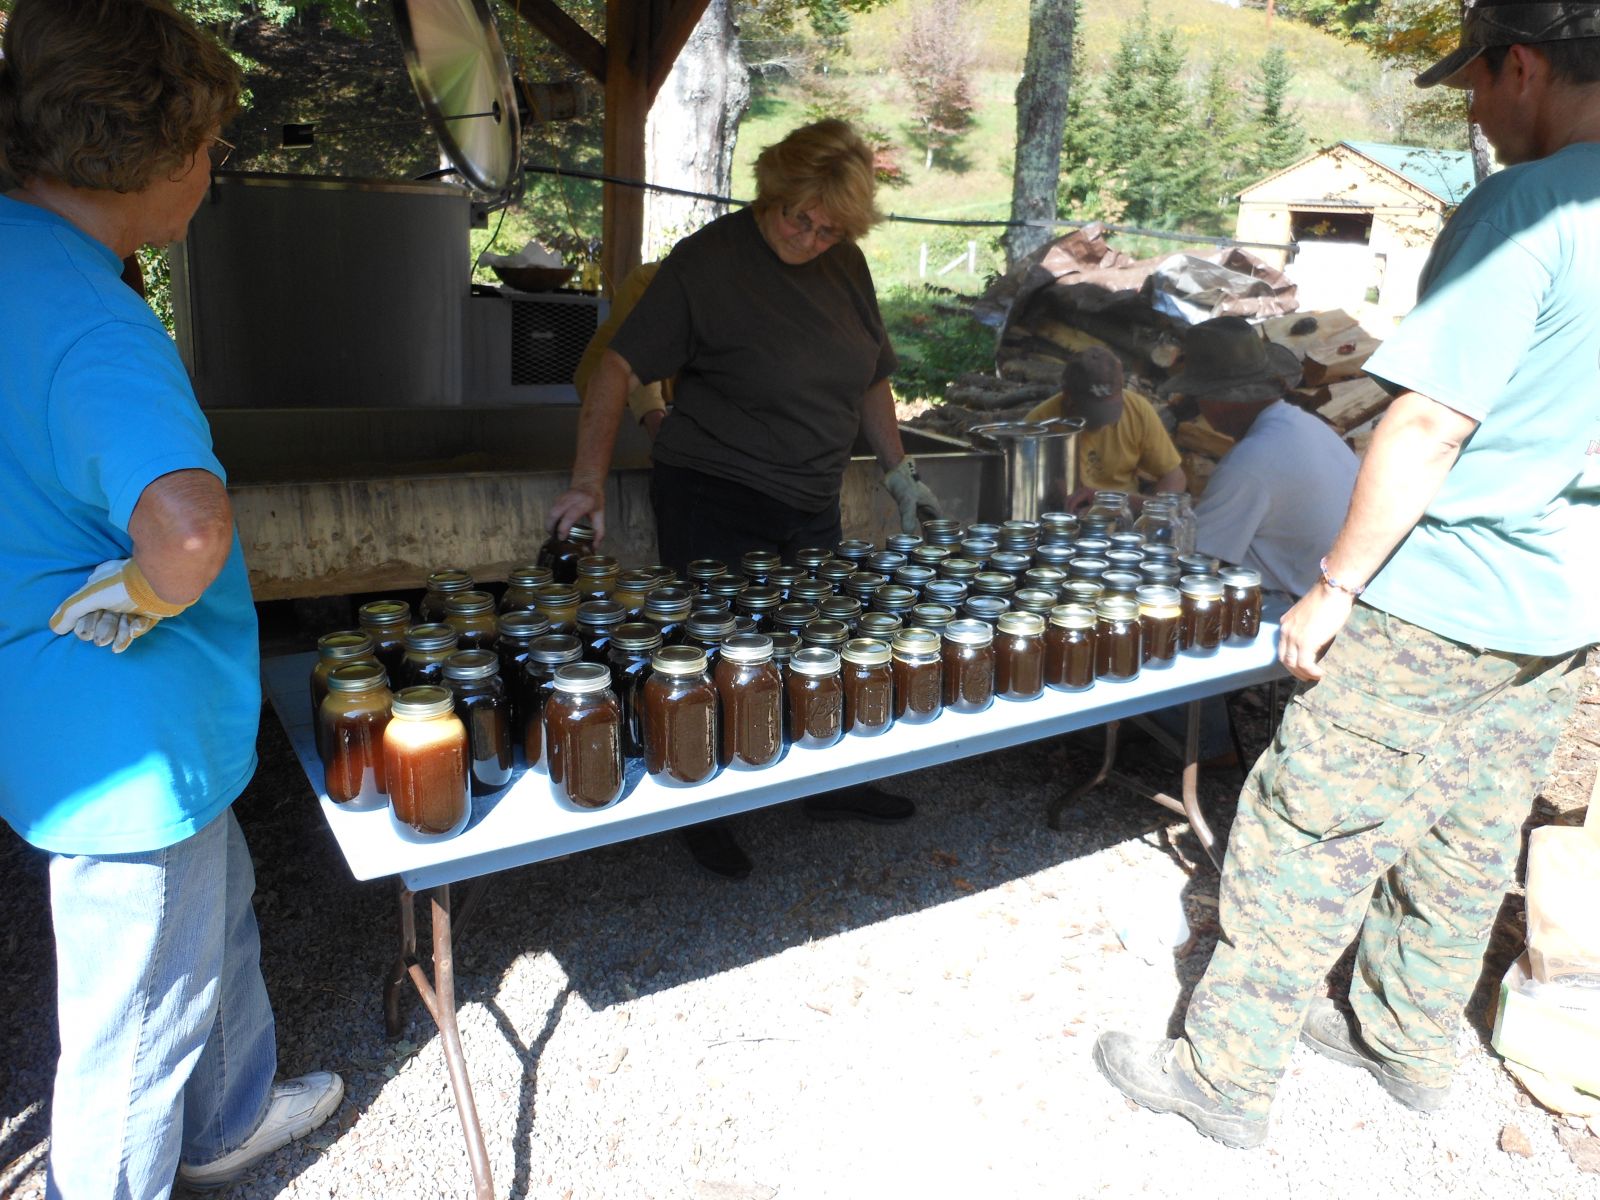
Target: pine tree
{"points": [[1280, 139]]}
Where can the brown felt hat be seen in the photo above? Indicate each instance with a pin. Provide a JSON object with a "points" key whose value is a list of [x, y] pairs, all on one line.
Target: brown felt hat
{"points": [[1226, 360]]}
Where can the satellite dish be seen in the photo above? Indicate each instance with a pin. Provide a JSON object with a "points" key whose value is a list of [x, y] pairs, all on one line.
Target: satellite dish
{"points": [[460, 74]]}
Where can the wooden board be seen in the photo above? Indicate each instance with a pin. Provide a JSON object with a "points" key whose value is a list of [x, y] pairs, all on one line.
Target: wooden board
{"points": [[1351, 402], [1201, 438], [1328, 325], [1340, 357]]}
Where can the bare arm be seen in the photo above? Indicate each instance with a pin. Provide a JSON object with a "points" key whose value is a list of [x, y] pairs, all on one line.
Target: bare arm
{"points": [[182, 529], [1411, 452], [879, 426], [603, 405], [1173, 481]]}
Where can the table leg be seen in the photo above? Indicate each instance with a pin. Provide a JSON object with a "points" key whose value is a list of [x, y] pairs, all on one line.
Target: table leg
{"points": [[400, 971], [1189, 806], [1061, 803]]}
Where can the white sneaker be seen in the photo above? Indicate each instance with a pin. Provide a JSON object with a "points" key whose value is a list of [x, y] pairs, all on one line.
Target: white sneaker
{"points": [[297, 1107]]}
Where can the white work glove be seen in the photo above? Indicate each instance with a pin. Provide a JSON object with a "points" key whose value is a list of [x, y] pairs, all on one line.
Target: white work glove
{"points": [[115, 605], [916, 500]]}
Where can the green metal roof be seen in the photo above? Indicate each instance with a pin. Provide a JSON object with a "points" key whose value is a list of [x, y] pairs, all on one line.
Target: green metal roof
{"points": [[1446, 174]]}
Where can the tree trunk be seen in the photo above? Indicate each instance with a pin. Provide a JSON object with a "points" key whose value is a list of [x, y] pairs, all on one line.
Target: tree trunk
{"points": [[1041, 121], [1483, 164], [693, 124]]}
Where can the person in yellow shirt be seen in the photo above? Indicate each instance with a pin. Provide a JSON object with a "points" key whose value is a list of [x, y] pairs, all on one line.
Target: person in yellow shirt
{"points": [[649, 402], [1122, 436]]}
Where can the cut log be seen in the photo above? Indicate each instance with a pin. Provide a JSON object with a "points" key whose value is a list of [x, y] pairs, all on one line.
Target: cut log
{"points": [[1313, 329], [1341, 358], [1022, 369], [1352, 402], [987, 400], [1201, 438]]}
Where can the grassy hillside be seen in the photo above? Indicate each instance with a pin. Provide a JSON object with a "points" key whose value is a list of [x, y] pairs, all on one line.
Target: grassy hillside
{"points": [[1335, 84]]}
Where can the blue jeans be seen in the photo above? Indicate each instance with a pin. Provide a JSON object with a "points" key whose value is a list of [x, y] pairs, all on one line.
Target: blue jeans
{"points": [[167, 1040]]}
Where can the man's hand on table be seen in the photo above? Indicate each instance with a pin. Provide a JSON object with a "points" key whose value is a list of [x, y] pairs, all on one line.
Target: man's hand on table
{"points": [[579, 503], [1308, 629]]}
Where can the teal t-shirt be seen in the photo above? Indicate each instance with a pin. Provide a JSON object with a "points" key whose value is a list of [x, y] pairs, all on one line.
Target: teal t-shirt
{"points": [[104, 753], [1507, 332]]}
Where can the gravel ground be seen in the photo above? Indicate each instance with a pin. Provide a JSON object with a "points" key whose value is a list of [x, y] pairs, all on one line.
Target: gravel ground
{"points": [[876, 1011]]}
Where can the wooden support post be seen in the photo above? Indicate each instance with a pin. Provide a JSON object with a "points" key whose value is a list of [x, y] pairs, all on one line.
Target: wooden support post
{"points": [[627, 109]]}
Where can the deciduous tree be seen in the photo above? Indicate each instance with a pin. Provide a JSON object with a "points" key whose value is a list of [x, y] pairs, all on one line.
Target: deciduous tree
{"points": [[936, 58]]}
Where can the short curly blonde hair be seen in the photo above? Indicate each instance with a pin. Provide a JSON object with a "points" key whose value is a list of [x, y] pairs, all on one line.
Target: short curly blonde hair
{"points": [[108, 94], [826, 163]]}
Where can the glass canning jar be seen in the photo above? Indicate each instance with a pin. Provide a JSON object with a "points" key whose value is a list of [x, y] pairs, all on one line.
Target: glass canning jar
{"points": [[793, 616], [679, 706], [473, 677], [632, 587], [425, 761], [440, 587], [1241, 604], [471, 615], [518, 631], [1118, 639], [879, 626], [594, 624], [386, 622], [667, 607], [546, 655], [918, 676], [559, 604], [815, 695], [701, 571], [1069, 648], [1019, 656], [520, 582], [968, 654], [931, 616], [825, 632], [758, 602], [758, 565], [632, 646], [809, 558], [334, 650], [427, 646], [561, 554], [750, 692], [597, 576], [583, 733], [1200, 625], [868, 682], [352, 717], [1160, 609]]}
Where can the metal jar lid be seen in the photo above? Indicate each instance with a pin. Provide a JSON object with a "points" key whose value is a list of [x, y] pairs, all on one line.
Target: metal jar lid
{"points": [[853, 550], [784, 578], [985, 608], [1087, 568], [946, 591], [932, 616], [437, 636], [1056, 554], [1072, 616], [1020, 624], [1124, 560], [784, 646], [702, 569], [580, 531], [835, 571], [751, 648], [1121, 583], [879, 625], [759, 597], [862, 584], [967, 632], [1127, 541], [1158, 599], [597, 566], [727, 587], [1093, 547], [453, 579], [915, 576], [636, 637], [349, 644], [1049, 578], [468, 603], [471, 664], [553, 649], [978, 548], [902, 543], [929, 555], [1010, 561], [865, 652], [422, 703], [635, 579], [759, 562], [1201, 587], [825, 632], [711, 627], [840, 608], [993, 583], [555, 595], [959, 568], [384, 613], [583, 677], [522, 625], [915, 643], [1160, 552], [1167, 573], [941, 531], [893, 598], [1198, 564], [357, 677], [601, 614], [668, 601], [679, 660], [1116, 608], [814, 661], [812, 557], [711, 606], [1035, 600], [794, 614], [810, 591], [886, 562], [1240, 577], [529, 575]]}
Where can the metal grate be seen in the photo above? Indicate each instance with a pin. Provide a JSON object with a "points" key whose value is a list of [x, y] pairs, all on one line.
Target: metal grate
{"points": [[548, 339]]}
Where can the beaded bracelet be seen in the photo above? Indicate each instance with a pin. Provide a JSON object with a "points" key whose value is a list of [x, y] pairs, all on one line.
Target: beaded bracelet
{"points": [[1333, 583]]}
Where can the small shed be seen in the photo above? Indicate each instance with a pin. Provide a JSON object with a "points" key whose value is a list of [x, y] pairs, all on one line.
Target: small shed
{"points": [[1363, 214]]}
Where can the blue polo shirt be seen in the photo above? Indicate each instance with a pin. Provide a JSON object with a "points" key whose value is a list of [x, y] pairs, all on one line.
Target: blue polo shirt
{"points": [[104, 753]]}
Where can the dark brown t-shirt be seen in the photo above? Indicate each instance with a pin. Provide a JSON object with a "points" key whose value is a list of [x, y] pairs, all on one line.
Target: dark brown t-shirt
{"points": [[771, 360]]}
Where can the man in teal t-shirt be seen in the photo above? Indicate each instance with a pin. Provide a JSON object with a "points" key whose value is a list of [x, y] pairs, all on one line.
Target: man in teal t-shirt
{"points": [[1393, 796]]}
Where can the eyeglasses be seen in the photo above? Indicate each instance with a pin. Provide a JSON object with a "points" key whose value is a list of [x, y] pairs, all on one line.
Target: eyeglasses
{"points": [[825, 235], [220, 152]]}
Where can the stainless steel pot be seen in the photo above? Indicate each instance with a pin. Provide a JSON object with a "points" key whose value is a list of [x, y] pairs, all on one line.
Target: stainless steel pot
{"points": [[1041, 460]]}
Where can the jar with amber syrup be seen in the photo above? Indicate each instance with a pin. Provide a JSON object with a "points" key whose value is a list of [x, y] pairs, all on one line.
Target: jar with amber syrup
{"points": [[750, 691], [546, 656], [1200, 625], [679, 707], [1069, 648], [351, 719], [667, 607], [471, 615], [425, 762], [520, 582], [759, 602], [427, 646], [1019, 656], [816, 698], [583, 734], [868, 681], [561, 554], [596, 621], [473, 677], [918, 676], [1035, 600], [518, 631], [597, 576], [1160, 610], [633, 644], [1118, 639], [632, 588], [386, 622], [440, 587], [968, 654], [1241, 605], [558, 602], [757, 565], [335, 650]]}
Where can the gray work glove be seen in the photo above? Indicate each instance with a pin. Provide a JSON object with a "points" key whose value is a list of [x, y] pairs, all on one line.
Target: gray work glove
{"points": [[916, 500]]}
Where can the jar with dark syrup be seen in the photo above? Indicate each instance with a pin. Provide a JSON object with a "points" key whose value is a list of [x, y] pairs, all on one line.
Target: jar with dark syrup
{"points": [[1118, 639], [520, 582], [727, 587], [701, 571], [1019, 656], [559, 604], [844, 609], [829, 634], [793, 616], [759, 602], [918, 676], [679, 706], [596, 619], [707, 630], [427, 646], [1069, 648], [352, 719], [783, 578], [546, 655], [386, 622], [632, 587], [1241, 605], [473, 677], [750, 690], [868, 687], [1200, 626], [561, 554], [810, 591], [471, 615], [931, 616], [809, 558], [968, 653], [1160, 610], [583, 733], [757, 565], [440, 587], [929, 556], [784, 646], [854, 551], [597, 576], [425, 761], [816, 698], [879, 626], [834, 572], [667, 608], [518, 631], [632, 646], [335, 650]]}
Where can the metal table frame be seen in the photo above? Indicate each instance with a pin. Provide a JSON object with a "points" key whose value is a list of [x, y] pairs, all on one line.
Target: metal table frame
{"points": [[526, 823]]}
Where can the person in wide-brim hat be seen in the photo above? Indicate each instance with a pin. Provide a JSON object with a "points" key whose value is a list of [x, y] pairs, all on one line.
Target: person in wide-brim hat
{"points": [[1227, 361]]}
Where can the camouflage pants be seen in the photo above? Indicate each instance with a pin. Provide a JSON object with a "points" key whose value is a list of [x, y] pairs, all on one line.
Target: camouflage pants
{"points": [[1392, 800]]}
